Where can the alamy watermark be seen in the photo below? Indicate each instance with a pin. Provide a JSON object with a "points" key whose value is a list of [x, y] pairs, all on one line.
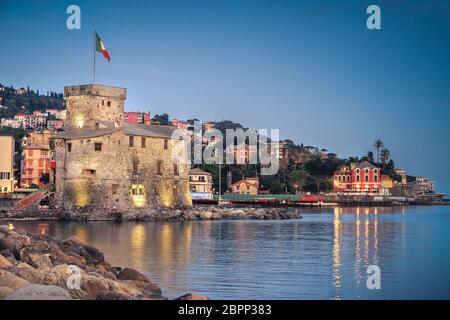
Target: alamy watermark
{"points": [[374, 277], [239, 146], [73, 282]]}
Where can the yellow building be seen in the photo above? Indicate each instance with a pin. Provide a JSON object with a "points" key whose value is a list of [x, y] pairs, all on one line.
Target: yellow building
{"points": [[246, 186], [6, 164], [39, 137], [36, 156], [35, 163], [386, 182], [200, 184]]}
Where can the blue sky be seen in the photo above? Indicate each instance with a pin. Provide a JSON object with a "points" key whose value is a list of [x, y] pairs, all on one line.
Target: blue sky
{"points": [[310, 68]]}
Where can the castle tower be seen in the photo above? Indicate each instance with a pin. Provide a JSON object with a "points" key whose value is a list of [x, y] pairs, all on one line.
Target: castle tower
{"points": [[91, 102]]}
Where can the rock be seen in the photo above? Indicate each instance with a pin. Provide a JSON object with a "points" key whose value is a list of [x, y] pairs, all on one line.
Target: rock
{"points": [[131, 274], [10, 280], [89, 253], [4, 229], [190, 296], [72, 241], [4, 262], [27, 272], [94, 286], [189, 215], [35, 259], [57, 256], [111, 295], [39, 292], [205, 215], [217, 216], [14, 242], [139, 289], [4, 292]]}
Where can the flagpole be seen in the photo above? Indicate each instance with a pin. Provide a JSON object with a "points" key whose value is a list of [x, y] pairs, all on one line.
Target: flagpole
{"points": [[94, 56]]}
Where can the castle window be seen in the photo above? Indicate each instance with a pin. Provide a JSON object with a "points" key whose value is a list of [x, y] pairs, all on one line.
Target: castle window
{"points": [[89, 172], [175, 169], [69, 147], [159, 168], [131, 141], [166, 144], [97, 146], [97, 125], [135, 167], [137, 190], [114, 188], [103, 102], [108, 103], [143, 142]]}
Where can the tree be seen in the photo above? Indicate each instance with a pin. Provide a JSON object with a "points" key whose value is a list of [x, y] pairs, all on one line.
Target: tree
{"points": [[385, 154], [162, 118], [45, 178], [378, 145]]}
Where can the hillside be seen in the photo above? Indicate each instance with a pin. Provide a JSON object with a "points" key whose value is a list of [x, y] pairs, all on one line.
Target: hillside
{"points": [[13, 100]]}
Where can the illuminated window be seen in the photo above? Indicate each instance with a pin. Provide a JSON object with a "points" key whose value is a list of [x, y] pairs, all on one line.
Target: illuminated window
{"points": [[30, 153]]}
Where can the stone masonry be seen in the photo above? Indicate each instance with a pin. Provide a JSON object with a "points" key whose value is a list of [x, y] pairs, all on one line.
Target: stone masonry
{"points": [[105, 164]]}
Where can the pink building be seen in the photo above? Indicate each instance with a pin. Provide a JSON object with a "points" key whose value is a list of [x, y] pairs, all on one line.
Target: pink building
{"points": [[137, 117]]}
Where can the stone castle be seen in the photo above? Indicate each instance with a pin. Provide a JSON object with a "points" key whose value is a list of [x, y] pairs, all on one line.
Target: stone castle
{"points": [[104, 163]]}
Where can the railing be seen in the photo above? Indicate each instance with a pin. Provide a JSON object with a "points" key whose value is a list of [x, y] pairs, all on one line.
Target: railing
{"points": [[250, 197]]}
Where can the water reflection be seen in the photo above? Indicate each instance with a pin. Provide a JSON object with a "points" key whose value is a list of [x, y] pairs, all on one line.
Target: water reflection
{"points": [[323, 255]]}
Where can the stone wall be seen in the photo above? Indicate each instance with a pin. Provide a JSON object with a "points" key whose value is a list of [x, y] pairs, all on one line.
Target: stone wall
{"points": [[86, 103], [104, 179]]}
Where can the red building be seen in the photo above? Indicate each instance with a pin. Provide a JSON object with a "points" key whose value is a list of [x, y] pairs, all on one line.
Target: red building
{"points": [[137, 117], [361, 177]]}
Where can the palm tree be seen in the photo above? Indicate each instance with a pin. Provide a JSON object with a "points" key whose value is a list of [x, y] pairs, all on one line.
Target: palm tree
{"points": [[385, 154], [378, 145]]}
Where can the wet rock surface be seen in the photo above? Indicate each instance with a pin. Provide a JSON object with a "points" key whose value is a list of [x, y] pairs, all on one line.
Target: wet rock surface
{"points": [[163, 214]]}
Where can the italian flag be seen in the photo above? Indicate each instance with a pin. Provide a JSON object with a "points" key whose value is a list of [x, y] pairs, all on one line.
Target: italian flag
{"points": [[100, 47]]}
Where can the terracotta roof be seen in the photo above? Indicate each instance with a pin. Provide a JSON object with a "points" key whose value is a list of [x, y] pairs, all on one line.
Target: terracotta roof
{"points": [[76, 133], [149, 130], [36, 146], [198, 171], [128, 129], [365, 164]]}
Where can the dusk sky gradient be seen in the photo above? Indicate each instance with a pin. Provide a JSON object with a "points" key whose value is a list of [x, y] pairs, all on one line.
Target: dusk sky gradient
{"points": [[310, 68]]}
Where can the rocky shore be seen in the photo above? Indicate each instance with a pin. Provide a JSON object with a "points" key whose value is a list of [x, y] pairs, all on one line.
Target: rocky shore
{"points": [[40, 267], [186, 214]]}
